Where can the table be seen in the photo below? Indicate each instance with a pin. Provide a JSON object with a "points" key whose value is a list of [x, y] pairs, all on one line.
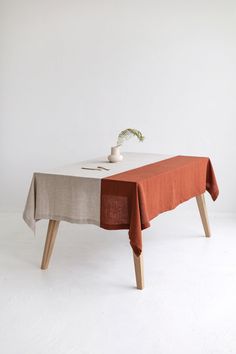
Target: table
{"points": [[114, 196]]}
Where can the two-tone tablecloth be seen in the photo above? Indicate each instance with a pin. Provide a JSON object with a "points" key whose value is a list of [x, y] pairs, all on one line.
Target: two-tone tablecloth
{"points": [[128, 196]]}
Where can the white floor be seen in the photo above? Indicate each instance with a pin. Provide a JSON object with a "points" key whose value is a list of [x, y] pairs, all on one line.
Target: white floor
{"points": [[86, 302]]}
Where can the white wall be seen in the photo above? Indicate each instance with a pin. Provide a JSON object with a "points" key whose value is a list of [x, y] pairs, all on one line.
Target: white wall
{"points": [[74, 73]]}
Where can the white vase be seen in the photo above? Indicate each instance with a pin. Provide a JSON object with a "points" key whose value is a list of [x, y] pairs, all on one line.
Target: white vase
{"points": [[115, 154]]}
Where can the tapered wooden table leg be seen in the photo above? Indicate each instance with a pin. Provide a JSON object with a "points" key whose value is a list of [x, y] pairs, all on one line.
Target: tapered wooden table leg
{"points": [[203, 212], [50, 240], [138, 266]]}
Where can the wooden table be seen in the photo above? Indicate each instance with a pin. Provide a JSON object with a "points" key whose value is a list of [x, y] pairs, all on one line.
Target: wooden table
{"points": [[146, 184]]}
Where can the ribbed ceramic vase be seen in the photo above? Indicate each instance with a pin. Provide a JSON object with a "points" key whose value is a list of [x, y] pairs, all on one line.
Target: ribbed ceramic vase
{"points": [[115, 154]]}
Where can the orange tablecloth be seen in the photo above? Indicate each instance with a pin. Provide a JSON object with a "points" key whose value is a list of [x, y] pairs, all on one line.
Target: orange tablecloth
{"points": [[129, 200]]}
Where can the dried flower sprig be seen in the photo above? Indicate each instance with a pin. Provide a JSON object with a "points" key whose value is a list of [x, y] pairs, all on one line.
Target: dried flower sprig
{"points": [[127, 134]]}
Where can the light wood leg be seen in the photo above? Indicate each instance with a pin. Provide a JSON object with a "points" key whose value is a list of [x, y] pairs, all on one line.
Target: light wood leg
{"points": [[138, 266], [203, 212], [50, 240]]}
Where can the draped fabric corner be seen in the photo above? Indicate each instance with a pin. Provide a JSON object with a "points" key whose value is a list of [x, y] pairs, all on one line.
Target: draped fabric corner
{"points": [[30, 207]]}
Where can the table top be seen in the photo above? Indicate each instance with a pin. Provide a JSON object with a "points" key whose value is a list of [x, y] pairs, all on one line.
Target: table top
{"points": [[131, 161]]}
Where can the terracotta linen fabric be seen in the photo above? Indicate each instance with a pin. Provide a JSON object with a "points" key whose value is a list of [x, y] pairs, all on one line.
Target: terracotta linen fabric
{"points": [[129, 200]]}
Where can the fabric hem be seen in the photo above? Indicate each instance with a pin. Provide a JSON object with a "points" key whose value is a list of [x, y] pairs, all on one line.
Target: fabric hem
{"points": [[67, 219]]}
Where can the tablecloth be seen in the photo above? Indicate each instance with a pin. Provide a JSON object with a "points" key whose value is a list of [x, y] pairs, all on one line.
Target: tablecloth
{"points": [[128, 196]]}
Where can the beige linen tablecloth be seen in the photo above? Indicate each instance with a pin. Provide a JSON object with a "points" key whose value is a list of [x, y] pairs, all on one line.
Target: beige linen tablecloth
{"points": [[73, 194]]}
